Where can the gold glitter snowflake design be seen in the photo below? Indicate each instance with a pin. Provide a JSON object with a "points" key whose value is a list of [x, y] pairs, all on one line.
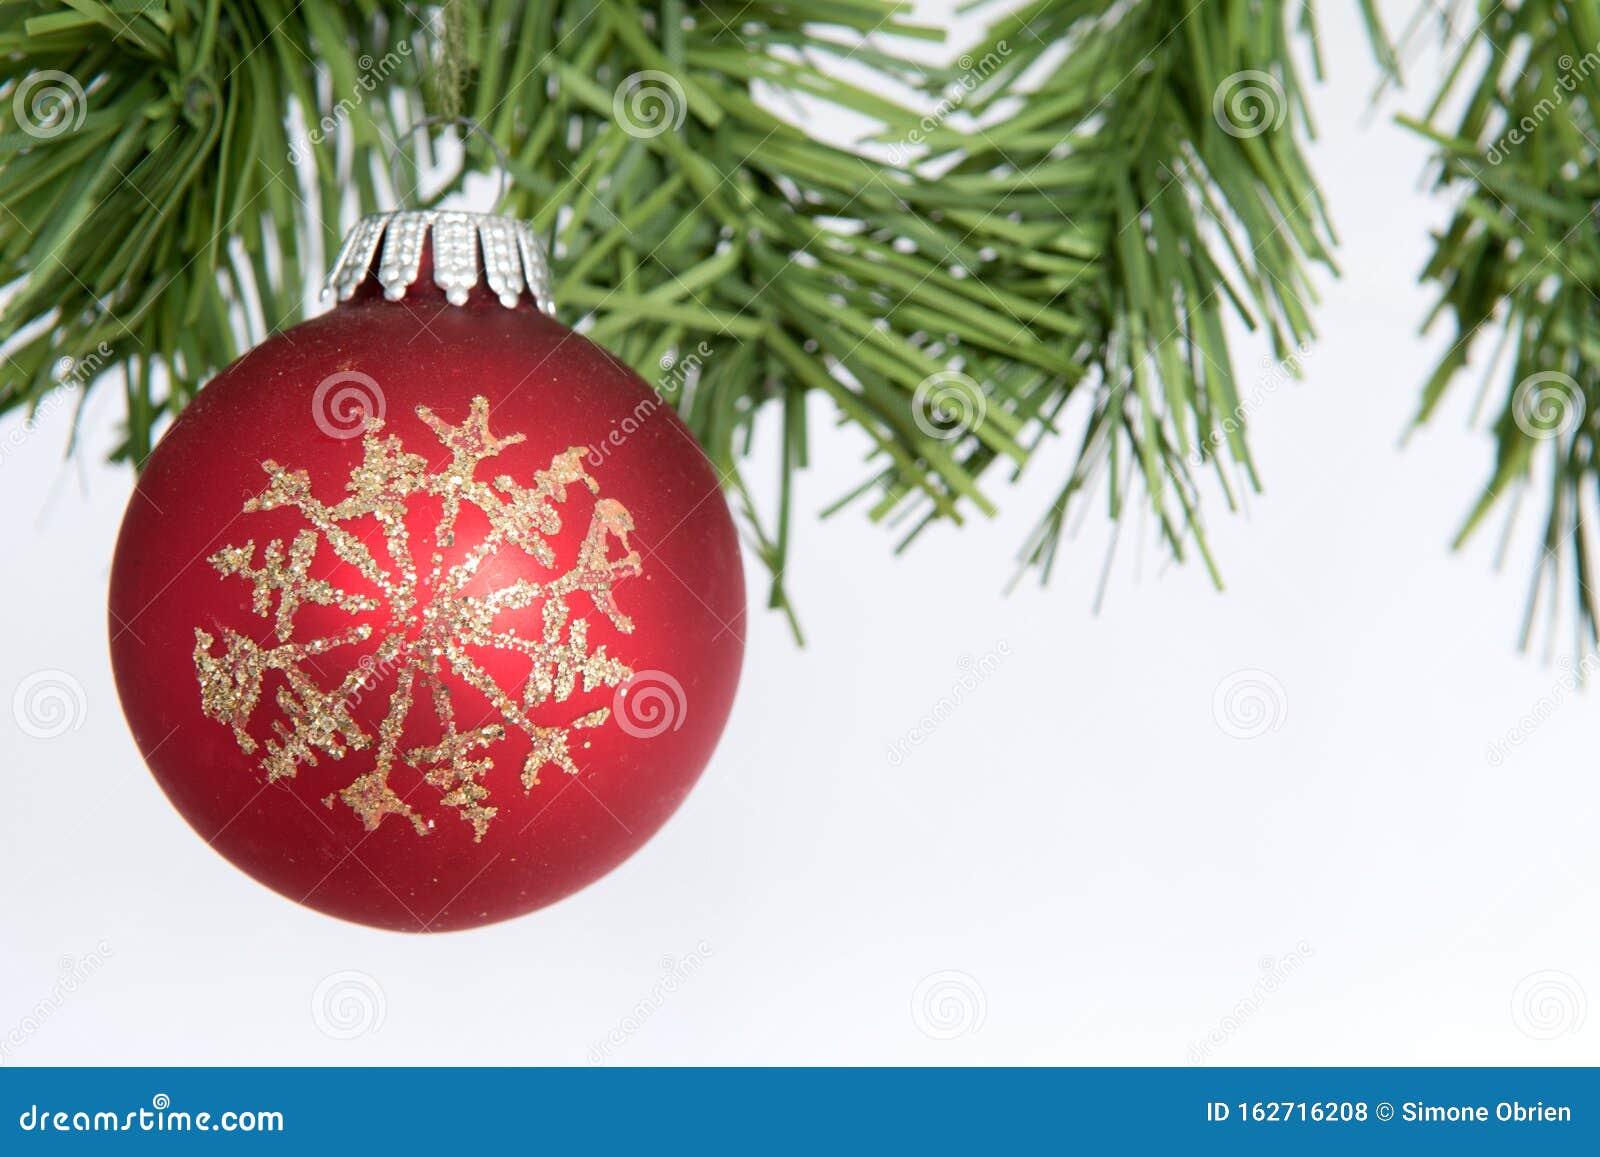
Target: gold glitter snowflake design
{"points": [[433, 623]]}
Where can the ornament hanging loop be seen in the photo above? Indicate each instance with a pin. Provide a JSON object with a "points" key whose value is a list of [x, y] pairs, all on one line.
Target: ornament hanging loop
{"points": [[470, 126]]}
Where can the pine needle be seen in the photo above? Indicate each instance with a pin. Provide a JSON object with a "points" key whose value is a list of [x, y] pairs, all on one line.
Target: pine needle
{"points": [[1091, 199], [1519, 265]]}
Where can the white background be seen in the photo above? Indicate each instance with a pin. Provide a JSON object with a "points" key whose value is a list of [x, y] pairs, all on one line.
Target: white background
{"points": [[1114, 876]]}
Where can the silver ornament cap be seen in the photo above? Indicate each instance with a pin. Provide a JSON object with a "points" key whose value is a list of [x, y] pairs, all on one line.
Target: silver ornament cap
{"points": [[502, 252]]}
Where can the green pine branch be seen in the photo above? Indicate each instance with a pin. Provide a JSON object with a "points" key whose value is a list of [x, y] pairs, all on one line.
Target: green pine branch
{"points": [[1098, 189], [153, 223], [1150, 186], [1518, 268]]}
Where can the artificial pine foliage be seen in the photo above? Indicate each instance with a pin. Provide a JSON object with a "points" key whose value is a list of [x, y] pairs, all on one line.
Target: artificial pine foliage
{"points": [[1051, 254], [1518, 268]]}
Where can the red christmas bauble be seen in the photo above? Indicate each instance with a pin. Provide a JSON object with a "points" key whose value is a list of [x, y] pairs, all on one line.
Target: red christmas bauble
{"points": [[427, 612]]}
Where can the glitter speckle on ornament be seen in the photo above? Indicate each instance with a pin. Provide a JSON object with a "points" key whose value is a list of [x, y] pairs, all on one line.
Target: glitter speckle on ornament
{"points": [[432, 621]]}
